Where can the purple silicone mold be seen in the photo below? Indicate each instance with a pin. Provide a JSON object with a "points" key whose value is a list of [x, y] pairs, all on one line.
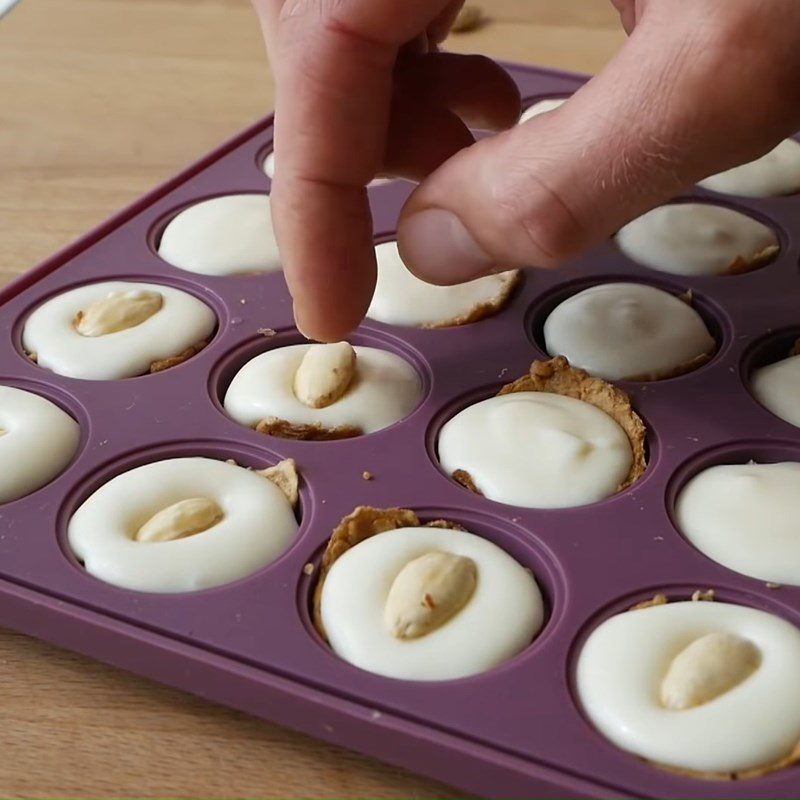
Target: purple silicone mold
{"points": [[516, 731]]}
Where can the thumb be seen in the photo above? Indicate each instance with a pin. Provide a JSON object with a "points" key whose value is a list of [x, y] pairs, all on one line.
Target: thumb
{"points": [[682, 100]]}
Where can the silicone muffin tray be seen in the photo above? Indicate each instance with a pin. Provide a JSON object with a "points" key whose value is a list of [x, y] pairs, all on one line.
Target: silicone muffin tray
{"points": [[516, 731]]}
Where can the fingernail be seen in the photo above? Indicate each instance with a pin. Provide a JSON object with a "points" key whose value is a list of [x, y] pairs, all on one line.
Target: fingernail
{"points": [[437, 247]]}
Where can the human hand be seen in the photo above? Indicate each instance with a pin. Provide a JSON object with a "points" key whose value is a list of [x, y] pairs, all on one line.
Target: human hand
{"points": [[700, 86]]}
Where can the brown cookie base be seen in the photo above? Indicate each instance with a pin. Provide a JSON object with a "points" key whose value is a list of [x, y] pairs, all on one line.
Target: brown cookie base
{"points": [[285, 476], [740, 265], [166, 363], [315, 432], [483, 310], [707, 596], [357, 526]]}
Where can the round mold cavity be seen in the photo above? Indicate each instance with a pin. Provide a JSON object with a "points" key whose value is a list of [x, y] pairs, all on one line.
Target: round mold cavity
{"points": [[246, 455], [740, 452], [715, 319], [734, 204], [769, 349], [513, 538], [224, 371], [209, 298], [67, 403], [771, 603], [449, 410], [159, 225]]}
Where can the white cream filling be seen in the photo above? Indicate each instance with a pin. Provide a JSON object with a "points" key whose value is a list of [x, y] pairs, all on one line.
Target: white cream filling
{"points": [[386, 389], [694, 238], [745, 517], [257, 526], [228, 235], [403, 299], [50, 333], [776, 173], [37, 441], [625, 659], [627, 330], [500, 619], [537, 450]]}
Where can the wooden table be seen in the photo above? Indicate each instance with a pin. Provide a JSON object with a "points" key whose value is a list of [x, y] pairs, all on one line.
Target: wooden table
{"points": [[100, 100]]}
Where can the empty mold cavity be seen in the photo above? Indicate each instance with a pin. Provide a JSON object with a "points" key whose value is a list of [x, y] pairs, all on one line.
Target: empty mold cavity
{"points": [[762, 547], [713, 318], [779, 395], [55, 446], [697, 238], [176, 568], [226, 370], [220, 235], [511, 537], [143, 338], [462, 478]]}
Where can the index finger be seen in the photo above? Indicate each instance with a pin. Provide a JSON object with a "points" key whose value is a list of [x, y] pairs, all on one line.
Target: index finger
{"points": [[333, 65]]}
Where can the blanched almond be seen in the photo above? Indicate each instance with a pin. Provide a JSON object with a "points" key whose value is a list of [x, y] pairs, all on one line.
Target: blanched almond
{"points": [[324, 374], [707, 668], [427, 592], [181, 519], [118, 312]]}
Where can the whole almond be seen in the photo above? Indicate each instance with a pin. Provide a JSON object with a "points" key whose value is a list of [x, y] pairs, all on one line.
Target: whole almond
{"points": [[118, 312], [427, 592], [707, 668], [324, 374], [181, 519]]}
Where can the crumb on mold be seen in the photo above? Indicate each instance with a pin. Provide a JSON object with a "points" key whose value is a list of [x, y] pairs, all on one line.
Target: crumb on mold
{"points": [[266, 332], [366, 475], [700, 595], [308, 569]]}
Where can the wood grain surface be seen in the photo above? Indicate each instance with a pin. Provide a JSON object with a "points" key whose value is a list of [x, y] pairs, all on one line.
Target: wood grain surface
{"points": [[100, 100]]}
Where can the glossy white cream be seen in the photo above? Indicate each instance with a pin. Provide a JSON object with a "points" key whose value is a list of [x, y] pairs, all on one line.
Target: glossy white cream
{"points": [[777, 387], [500, 619], [776, 173], [537, 450], [228, 235], [50, 333], [257, 526], [627, 330], [694, 239], [37, 441], [403, 299], [542, 107], [385, 389], [745, 517], [754, 724]]}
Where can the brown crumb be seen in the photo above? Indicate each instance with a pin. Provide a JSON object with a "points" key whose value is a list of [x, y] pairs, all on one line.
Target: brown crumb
{"points": [[468, 18], [266, 332], [284, 476], [483, 310], [444, 523], [699, 594], [310, 433], [655, 600], [428, 601], [465, 479], [33, 357], [367, 476], [308, 569], [166, 363], [741, 265], [558, 377]]}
